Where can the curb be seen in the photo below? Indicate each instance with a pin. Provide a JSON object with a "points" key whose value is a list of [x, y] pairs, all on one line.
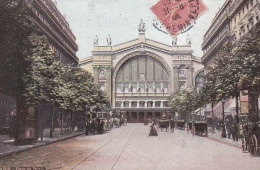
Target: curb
{"points": [[37, 146], [224, 142]]}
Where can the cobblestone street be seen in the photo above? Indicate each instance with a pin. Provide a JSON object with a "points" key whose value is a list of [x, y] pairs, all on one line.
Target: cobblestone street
{"points": [[130, 147]]}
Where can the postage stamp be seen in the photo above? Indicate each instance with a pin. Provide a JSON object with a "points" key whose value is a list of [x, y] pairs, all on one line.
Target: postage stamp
{"points": [[178, 15]]}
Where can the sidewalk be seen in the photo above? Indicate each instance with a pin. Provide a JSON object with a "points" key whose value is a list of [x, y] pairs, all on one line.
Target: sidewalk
{"points": [[217, 137], [7, 146]]}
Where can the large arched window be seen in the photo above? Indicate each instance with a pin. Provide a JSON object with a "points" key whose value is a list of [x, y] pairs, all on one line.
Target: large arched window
{"points": [[199, 80], [142, 74]]}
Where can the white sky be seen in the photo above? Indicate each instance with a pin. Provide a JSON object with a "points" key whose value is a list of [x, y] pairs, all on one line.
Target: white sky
{"points": [[120, 19]]}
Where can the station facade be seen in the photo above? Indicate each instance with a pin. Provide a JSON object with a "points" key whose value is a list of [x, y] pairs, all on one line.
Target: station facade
{"points": [[140, 75]]}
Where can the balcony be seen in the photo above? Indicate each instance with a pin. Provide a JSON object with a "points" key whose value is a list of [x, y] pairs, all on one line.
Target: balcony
{"points": [[220, 40]]}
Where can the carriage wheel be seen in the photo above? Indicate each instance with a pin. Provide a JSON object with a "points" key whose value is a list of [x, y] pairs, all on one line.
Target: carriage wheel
{"points": [[243, 145], [253, 145]]}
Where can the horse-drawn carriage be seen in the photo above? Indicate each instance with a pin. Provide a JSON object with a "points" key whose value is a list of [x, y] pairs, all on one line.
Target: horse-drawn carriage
{"points": [[164, 123], [180, 124], [251, 137], [200, 128]]}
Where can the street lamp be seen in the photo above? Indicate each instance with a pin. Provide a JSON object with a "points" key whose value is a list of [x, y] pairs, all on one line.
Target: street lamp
{"points": [[223, 134]]}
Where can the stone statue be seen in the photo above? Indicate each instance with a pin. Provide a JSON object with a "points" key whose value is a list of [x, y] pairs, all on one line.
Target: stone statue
{"points": [[174, 41], [130, 88], [146, 87], [141, 27], [109, 41], [96, 40], [188, 40], [162, 88], [138, 89], [122, 87], [154, 87]]}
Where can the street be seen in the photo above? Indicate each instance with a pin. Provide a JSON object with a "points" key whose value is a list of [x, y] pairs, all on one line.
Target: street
{"points": [[130, 147]]}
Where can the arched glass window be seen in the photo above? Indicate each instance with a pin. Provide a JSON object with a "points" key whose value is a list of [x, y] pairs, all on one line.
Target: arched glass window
{"points": [[199, 80]]}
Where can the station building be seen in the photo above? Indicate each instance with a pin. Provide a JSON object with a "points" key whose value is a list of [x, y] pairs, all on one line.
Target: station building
{"points": [[140, 75]]}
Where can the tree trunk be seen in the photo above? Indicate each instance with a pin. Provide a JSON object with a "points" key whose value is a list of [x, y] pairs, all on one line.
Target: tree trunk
{"points": [[253, 104], [52, 119], [237, 111], [213, 119], [61, 120], [71, 121]]}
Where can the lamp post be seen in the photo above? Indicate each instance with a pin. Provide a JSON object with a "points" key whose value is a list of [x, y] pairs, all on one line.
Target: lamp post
{"points": [[213, 121], [223, 134]]}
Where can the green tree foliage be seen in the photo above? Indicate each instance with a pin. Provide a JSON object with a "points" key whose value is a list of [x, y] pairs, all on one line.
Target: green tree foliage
{"points": [[185, 102], [15, 30]]}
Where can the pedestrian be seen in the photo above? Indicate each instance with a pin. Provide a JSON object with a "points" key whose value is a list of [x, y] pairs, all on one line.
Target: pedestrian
{"points": [[228, 127], [234, 132], [153, 131], [87, 127]]}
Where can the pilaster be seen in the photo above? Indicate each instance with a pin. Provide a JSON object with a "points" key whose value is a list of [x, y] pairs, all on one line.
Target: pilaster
{"points": [[189, 76], [96, 75], [109, 83], [176, 77]]}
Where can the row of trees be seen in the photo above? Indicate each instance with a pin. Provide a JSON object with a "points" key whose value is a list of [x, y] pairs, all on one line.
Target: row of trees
{"points": [[31, 71], [237, 67]]}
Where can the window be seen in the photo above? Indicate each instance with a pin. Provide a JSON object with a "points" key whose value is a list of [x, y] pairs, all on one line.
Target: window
{"points": [[251, 22], [158, 104], [118, 104], [126, 104], [142, 104], [182, 85], [134, 104], [150, 104]]}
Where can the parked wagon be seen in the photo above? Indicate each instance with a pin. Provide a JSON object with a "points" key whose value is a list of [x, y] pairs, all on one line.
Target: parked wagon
{"points": [[200, 128], [189, 125], [251, 139], [180, 124], [164, 123]]}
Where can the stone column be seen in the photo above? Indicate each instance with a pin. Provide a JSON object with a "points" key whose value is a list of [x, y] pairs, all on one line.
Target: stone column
{"points": [[108, 83], [175, 77], [138, 104], [96, 75], [189, 76], [130, 104], [130, 117], [145, 104], [153, 104], [138, 117], [122, 104], [145, 116], [153, 114]]}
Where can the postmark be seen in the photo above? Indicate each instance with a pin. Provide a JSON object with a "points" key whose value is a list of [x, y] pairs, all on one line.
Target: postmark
{"points": [[178, 15]]}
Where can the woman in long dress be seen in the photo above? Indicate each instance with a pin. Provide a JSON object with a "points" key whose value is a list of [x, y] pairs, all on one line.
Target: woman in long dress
{"points": [[153, 131]]}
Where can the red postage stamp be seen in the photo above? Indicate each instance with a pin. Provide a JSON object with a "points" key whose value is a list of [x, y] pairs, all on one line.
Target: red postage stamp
{"points": [[177, 15]]}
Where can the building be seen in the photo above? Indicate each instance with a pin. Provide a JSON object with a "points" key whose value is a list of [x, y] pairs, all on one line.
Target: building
{"points": [[216, 36], [244, 15], [233, 21], [54, 25], [140, 75], [58, 32]]}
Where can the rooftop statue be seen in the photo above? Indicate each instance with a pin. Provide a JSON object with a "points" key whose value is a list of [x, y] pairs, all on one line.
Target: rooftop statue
{"points": [[141, 27], [109, 40], [96, 40], [174, 41], [188, 40]]}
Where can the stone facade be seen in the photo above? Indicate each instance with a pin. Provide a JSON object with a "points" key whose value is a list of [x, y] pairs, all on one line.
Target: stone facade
{"points": [[55, 27], [140, 75], [233, 21]]}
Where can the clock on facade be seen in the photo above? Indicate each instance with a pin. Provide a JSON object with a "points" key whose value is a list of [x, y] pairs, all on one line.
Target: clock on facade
{"points": [[182, 73], [102, 74]]}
